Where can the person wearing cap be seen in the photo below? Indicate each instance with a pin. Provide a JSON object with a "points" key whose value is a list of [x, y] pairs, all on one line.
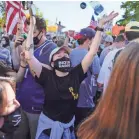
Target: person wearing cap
{"points": [[88, 87], [118, 43], [107, 43], [108, 40], [61, 85], [29, 93], [132, 31], [132, 34]]}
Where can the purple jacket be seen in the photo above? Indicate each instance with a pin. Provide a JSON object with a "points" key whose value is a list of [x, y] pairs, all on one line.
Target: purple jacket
{"points": [[29, 93]]}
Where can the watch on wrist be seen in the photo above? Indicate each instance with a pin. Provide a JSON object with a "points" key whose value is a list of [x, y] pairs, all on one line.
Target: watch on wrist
{"points": [[99, 29]]}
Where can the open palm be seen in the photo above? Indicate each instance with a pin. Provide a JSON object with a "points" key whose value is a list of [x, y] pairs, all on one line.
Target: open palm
{"points": [[108, 18]]}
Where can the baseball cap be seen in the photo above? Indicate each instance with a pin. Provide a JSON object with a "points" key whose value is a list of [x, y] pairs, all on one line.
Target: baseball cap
{"points": [[132, 26], [85, 33], [109, 38], [58, 49]]}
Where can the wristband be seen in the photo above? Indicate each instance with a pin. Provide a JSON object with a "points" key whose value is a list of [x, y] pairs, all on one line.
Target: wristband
{"points": [[22, 66], [99, 29]]}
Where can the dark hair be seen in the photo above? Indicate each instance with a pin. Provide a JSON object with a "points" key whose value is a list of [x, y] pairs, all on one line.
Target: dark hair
{"points": [[117, 114], [119, 38], [131, 35], [27, 21], [60, 42], [40, 23], [11, 37], [7, 40], [54, 37], [81, 41], [4, 68], [116, 55]]}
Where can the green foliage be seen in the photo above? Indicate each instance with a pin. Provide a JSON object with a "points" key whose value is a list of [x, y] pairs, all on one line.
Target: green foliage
{"points": [[39, 13], [131, 12], [2, 7], [3, 14]]}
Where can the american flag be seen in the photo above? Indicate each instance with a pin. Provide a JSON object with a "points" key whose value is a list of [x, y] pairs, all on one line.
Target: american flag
{"points": [[93, 23], [14, 11]]}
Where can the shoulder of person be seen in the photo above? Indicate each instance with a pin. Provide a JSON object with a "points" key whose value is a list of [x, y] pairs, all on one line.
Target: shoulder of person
{"points": [[46, 66], [48, 47], [5, 50], [49, 44]]}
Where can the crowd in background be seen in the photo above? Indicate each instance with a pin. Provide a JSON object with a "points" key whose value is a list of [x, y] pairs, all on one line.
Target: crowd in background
{"points": [[107, 105]]}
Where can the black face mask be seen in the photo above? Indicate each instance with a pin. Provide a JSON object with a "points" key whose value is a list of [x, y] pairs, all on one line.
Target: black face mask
{"points": [[11, 121], [63, 64], [36, 40]]}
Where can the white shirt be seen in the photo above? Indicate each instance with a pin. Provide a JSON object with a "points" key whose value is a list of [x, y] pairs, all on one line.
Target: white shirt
{"points": [[106, 68]]}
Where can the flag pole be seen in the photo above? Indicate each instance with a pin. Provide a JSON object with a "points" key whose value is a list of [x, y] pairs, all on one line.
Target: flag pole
{"points": [[20, 10]]}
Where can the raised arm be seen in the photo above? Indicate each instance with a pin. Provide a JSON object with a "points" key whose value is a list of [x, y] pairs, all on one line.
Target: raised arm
{"points": [[21, 72], [17, 48], [86, 62], [34, 64]]}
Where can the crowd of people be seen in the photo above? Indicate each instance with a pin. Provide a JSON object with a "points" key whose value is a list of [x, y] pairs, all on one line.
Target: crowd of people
{"points": [[57, 89]]}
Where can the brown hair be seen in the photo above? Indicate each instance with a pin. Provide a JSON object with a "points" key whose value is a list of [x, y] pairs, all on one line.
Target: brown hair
{"points": [[40, 23], [3, 101], [117, 115]]}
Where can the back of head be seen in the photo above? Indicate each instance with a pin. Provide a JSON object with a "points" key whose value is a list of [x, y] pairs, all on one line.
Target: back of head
{"points": [[85, 33], [7, 40], [4, 69], [119, 38], [11, 37], [132, 30], [117, 114], [60, 42], [109, 38]]}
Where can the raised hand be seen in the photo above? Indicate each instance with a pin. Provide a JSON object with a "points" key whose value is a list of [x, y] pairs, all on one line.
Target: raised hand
{"points": [[19, 40], [108, 18], [32, 21]]}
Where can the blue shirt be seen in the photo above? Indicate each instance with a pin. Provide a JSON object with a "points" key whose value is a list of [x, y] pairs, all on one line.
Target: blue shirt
{"points": [[88, 87], [5, 56]]}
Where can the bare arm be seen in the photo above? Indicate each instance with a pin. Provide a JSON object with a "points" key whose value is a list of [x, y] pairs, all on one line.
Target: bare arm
{"points": [[21, 72], [34, 64], [86, 62], [17, 49]]}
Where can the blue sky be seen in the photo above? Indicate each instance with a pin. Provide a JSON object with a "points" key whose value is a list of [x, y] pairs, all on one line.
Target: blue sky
{"points": [[71, 15]]}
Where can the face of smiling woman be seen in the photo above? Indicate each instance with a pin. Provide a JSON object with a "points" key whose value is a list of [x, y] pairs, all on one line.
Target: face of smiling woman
{"points": [[8, 99]]}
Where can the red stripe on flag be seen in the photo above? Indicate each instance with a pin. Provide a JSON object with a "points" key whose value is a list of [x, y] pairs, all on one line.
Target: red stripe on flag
{"points": [[17, 7], [15, 29], [11, 19]]}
